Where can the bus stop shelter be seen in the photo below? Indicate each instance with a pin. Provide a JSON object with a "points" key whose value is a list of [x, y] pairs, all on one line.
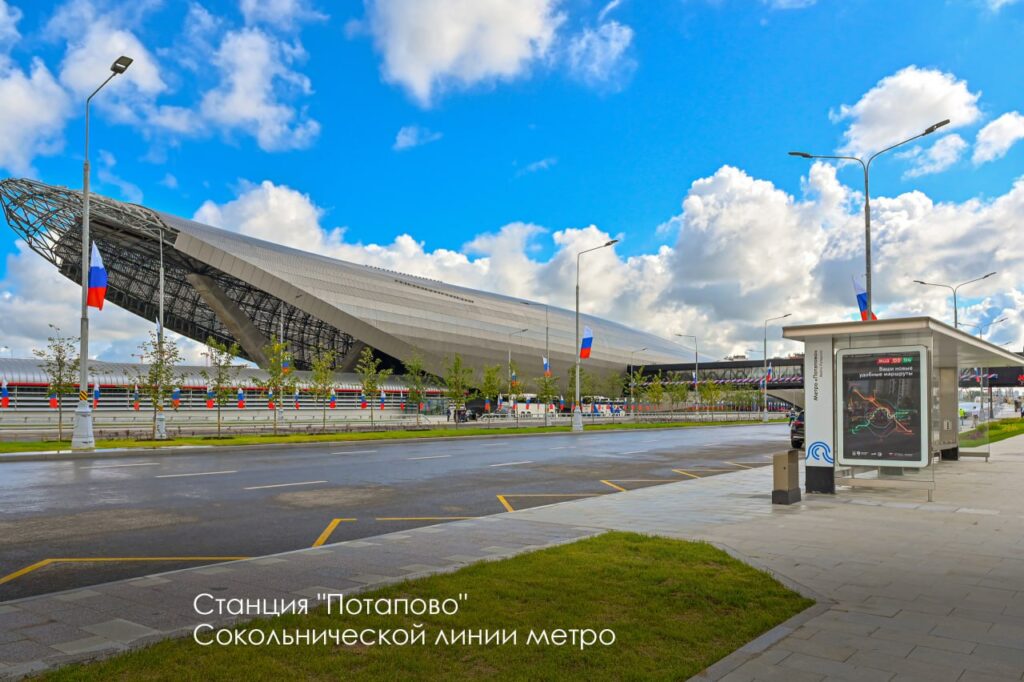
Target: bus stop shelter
{"points": [[884, 395]]}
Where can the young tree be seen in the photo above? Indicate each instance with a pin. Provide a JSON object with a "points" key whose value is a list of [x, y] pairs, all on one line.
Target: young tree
{"points": [[220, 376], [636, 382], [457, 378], [490, 384], [710, 393], [323, 380], [547, 391], [279, 378], [678, 389], [587, 383], [656, 390], [613, 383], [371, 377], [59, 361], [160, 357], [416, 380]]}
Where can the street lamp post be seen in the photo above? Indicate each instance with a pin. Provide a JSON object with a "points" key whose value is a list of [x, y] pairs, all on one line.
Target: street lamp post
{"points": [[956, 308], [867, 196], [547, 347], [764, 414], [81, 437], [632, 401], [696, 369], [577, 411], [510, 335]]}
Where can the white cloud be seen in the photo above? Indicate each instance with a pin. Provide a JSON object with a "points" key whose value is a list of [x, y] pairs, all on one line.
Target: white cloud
{"points": [[541, 165], [598, 57], [414, 136], [996, 5], [283, 14], [431, 46], [903, 105], [996, 138], [169, 181], [128, 191], [935, 159], [608, 9], [9, 18], [789, 4], [32, 117], [256, 76], [742, 249]]}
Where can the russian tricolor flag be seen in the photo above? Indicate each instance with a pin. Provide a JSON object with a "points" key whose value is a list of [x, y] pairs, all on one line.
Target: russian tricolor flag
{"points": [[95, 393], [362, 400], [209, 398], [54, 402], [383, 397], [176, 398], [241, 399], [5, 396], [135, 398], [296, 397], [270, 399], [487, 405], [862, 300], [334, 400], [547, 368], [588, 341], [97, 280]]}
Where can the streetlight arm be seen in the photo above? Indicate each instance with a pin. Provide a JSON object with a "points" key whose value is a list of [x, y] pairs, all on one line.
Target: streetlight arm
{"points": [[972, 281]]}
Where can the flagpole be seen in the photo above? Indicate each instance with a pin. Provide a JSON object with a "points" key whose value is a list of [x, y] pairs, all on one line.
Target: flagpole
{"points": [[161, 418], [577, 411], [764, 377]]}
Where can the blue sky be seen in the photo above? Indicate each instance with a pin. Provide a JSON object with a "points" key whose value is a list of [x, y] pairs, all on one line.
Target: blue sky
{"points": [[557, 114]]}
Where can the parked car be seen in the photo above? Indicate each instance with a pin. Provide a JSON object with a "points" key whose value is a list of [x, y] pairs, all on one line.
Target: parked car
{"points": [[796, 430]]}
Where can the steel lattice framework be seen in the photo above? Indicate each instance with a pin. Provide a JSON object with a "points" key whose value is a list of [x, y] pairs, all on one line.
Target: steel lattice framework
{"points": [[129, 236]]}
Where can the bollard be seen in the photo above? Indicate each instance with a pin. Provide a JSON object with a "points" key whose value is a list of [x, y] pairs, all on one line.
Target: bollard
{"points": [[786, 477]]}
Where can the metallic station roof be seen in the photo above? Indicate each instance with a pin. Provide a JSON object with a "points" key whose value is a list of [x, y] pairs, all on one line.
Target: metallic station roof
{"points": [[240, 289]]}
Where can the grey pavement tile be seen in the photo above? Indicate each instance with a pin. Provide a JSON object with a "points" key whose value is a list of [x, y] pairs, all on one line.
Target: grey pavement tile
{"points": [[77, 595], [976, 662], [776, 673], [974, 676], [20, 618], [905, 666], [120, 630], [835, 669], [87, 645], [23, 651], [48, 633]]}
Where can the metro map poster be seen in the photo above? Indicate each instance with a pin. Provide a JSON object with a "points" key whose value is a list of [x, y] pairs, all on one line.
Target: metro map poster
{"points": [[882, 404]]}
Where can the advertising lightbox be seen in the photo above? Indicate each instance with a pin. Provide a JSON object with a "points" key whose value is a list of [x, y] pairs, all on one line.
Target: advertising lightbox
{"points": [[882, 406]]}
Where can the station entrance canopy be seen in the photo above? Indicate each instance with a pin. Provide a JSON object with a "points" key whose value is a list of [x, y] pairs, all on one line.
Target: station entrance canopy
{"points": [[885, 393], [231, 287]]}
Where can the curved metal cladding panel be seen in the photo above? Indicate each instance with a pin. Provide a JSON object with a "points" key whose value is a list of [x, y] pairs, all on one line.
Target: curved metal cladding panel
{"points": [[324, 302], [396, 313]]}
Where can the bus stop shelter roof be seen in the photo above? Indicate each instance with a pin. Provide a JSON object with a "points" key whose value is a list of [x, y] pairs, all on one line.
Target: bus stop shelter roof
{"points": [[950, 347]]}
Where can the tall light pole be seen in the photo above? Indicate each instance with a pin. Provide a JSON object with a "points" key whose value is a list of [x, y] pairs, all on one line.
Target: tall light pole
{"points": [[510, 335], [577, 411], [764, 414], [81, 437], [547, 347], [867, 196], [632, 402], [956, 308], [696, 368]]}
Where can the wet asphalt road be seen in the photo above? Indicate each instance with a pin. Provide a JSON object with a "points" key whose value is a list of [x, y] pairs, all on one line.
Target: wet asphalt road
{"points": [[242, 502]]}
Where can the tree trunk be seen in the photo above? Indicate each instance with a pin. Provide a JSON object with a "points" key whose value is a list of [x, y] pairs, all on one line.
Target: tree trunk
{"points": [[325, 415], [60, 422], [218, 420]]}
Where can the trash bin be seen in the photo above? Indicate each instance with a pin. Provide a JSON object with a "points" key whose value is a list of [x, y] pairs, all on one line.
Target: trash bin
{"points": [[786, 477]]}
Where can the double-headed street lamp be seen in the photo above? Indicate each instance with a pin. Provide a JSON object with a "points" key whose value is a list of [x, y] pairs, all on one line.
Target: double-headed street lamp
{"points": [[983, 328], [82, 438], [696, 368], [867, 196], [956, 309], [577, 411], [764, 414]]}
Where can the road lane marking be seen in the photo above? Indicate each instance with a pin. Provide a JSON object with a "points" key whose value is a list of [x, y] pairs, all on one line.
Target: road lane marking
{"points": [[508, 507], [118, 466], [282, 485], [203, 473], [353, 452], [413, 459], [685, 473], [742, 466], [509, 464], [632, 452], [72, 560], [565, 447], [612, 485], [325, 536]]}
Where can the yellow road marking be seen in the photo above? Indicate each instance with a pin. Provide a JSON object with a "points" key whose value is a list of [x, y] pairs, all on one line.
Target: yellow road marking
{"points": [[504, 503], [612, 485], [424, 518], [326, 535], [72, 560], [742, 466], [685, 473], [643, 480]]}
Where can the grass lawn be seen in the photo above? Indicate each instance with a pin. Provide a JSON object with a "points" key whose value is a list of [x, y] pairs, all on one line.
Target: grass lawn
{"points": [[46, 445], [999, 430], [676, 607]]}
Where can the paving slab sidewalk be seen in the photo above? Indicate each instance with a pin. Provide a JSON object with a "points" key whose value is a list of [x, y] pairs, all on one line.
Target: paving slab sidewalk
{"points": [[906, 589]]}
